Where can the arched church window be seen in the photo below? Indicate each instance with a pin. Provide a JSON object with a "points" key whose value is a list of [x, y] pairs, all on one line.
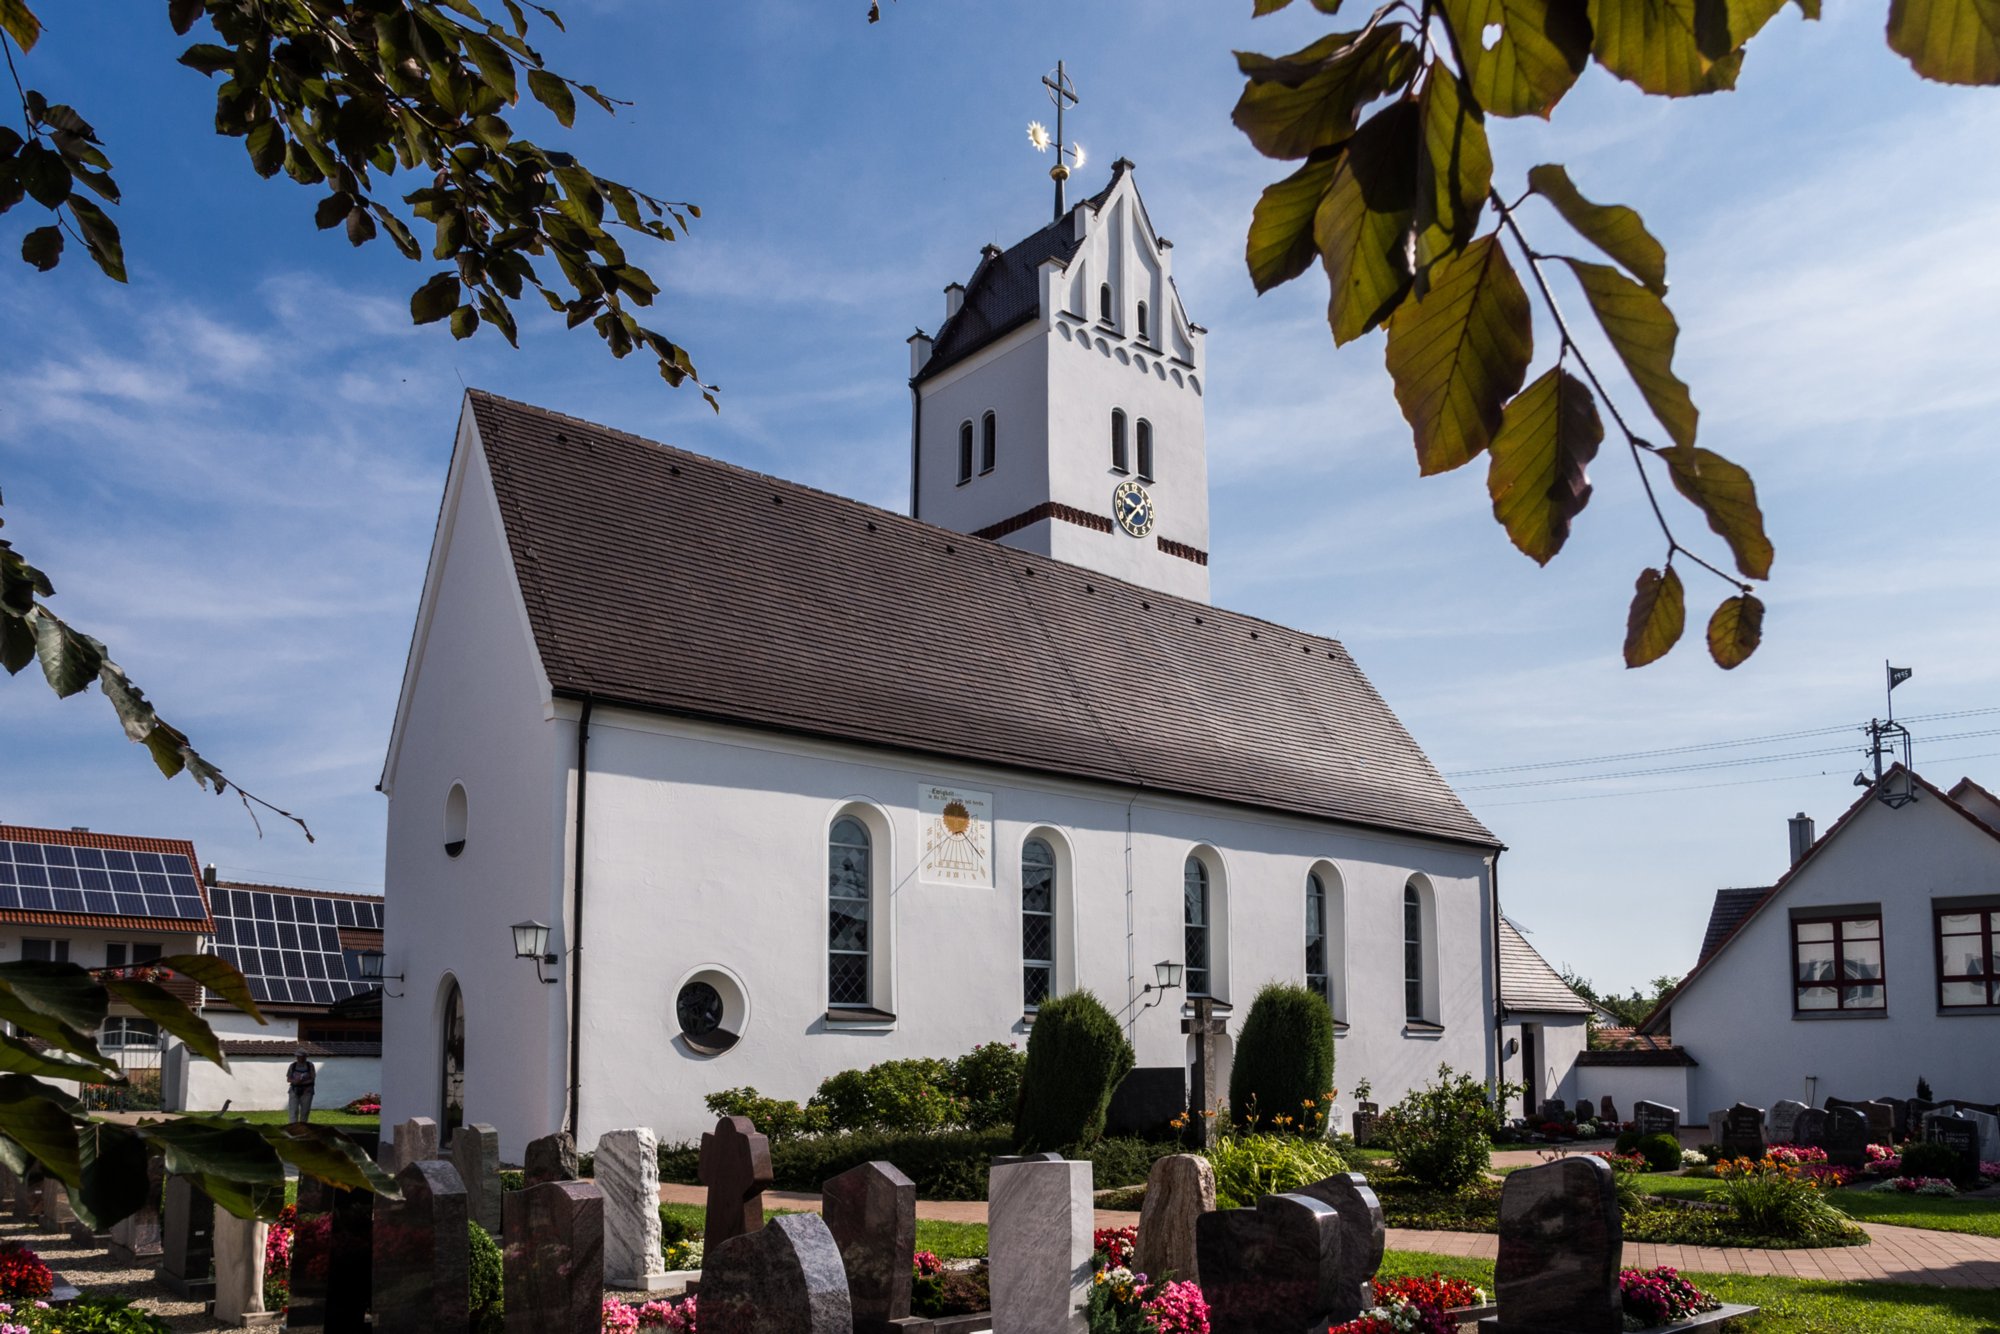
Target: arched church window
{"points": [[1142, 319], [989, 442], [964, 452], [850, 885], [1038, 922], [1145, 449], [451, 1062], [1316, 974], [1104, 303], [1413, 952], [1118, 459], [1195, 917]]}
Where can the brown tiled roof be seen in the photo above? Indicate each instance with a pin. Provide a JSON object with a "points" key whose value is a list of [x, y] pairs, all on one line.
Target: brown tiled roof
{"points": [[1731, 907], [667, 581], [84, 838], [1642, 1056], [1527, 984]]}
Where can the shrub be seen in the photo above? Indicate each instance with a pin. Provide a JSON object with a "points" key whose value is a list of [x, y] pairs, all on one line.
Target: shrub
{"points": [[1123, 1160], [1441, 1134], [1076, 1057], [911, 1094], [776, 1118], [944, 1164], [1775, 1199], [487, 1314], [1247, 1166], [1662, 1152], [1282, 1074], [1627, 1142], [513, 1178], [987, 1080], [1929, 1160]]}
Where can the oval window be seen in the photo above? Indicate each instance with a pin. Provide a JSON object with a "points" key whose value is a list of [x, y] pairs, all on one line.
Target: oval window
{"points": [[711, 1010], [454, 821]]}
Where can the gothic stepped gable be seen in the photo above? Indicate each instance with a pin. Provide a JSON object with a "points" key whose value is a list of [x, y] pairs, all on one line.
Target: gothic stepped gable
{"points": [[667, 581]]}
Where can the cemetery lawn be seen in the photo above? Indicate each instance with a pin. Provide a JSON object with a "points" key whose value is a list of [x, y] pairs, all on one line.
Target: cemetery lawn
{"points": [[320, 1117], [947, 1241], [1409, 1205], [1981, 1218], [1791, 1306]]}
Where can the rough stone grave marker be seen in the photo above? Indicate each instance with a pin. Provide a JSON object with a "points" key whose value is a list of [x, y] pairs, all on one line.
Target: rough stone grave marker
{"points": [[1204, 1027], [414, 1141], [628, 1172], [1561, 1241], [1039, 1220], [239, 1271], [1846, 1137], [1179, 1190], [1784, 1119], [423, 1260], [1555, 1109], [1362, 1238], [187, 1238], [736, 1168], [1960, 1134], [1743, 1131], [1655, 1118], [550, 1158], [475, 1152], [1274, 1267], [1365, 1116], [1607, 1110], [333, 1260], [783, 1278], [553, 1265], [27, 1201], [871, 1210]]}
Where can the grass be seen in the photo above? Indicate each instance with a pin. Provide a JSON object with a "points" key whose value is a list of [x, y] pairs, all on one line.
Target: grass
{"points": [[1981, 1218], [320, 1117], [947, 1241], [1791, 1306]]}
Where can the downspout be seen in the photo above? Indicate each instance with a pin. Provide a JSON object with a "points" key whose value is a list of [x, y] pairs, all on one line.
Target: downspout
{"points": [[916, 446], [576, 923], [1499, 998]]}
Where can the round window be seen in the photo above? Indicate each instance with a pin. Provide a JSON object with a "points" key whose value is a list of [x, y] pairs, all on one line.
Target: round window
{"points": [[710, 1010], [699, 1009]]}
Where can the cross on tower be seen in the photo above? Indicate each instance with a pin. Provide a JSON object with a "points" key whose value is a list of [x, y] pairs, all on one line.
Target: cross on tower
{"points": [[1062, 92]]}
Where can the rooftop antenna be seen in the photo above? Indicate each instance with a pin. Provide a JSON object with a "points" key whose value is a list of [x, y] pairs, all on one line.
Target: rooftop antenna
{"points": [[1062, 92], [1883, 735]]}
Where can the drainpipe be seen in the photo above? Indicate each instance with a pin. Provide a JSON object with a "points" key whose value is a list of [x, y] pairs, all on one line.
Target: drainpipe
{"points": [[576, 923], [1499, 1059]]}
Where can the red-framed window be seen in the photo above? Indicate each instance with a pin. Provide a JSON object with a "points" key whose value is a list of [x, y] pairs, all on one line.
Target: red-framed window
{"points": [[1968, 957], [1837, 964]]}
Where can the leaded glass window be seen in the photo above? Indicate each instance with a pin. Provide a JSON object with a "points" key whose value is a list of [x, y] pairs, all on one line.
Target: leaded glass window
{"points": [[1038, 922], [1195, 934], [1413, 953], [1316, 976], [850, 880], [1837, 964]]}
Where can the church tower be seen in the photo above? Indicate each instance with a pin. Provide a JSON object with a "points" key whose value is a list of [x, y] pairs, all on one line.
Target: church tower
{"points": [[1058, 407]]}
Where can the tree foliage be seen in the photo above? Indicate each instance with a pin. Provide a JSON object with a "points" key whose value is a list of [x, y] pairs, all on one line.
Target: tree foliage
{"points": [[1394, 196]]}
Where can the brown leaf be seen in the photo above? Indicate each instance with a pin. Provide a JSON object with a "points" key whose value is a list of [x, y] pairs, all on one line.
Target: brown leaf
{"points": [[1547, 437], [1735, 630], [1658, 615], [1458, 353], [1725, 494]]}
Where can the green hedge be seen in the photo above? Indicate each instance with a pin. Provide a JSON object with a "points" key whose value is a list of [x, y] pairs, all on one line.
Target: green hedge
{"points": [[944, 1164], [487, 1312], [1282, 1076], [1077, 1055]]}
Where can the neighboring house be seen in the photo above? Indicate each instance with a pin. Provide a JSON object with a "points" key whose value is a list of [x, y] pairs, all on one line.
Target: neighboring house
{"points": [[1545, 1025], [1874, 962], [796, 784]]}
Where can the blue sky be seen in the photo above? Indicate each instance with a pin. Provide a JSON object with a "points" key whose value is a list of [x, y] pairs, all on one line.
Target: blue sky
{"points": [[232, 466]]}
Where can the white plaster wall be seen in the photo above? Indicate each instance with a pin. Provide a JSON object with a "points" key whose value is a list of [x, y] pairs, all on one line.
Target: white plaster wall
{"points": [[1010, 379], [257, 1083], [1736, 1019], [87, 945], [1627, 1084], [475, 710], [1562, 1038], [706, 846], [229, 1023]]}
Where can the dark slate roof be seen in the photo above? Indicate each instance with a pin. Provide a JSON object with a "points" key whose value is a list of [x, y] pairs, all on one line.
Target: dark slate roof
{"points": [[663, 580], [1731, 907], [1527, 984]]}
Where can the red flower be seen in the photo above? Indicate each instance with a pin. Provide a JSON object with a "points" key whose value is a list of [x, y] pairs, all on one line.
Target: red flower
{"points": [[22, 1273]]}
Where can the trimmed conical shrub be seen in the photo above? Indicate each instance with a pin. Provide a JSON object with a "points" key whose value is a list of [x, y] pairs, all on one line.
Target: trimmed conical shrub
{"points": [[1284, 1062], [1077, 1057]]}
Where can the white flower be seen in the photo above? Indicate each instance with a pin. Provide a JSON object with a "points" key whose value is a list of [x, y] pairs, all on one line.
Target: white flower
{"points": [[1038, 135]]}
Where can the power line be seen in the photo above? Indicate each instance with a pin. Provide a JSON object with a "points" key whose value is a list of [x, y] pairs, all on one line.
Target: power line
{"points": [[1705, 764], [1703, 787]]}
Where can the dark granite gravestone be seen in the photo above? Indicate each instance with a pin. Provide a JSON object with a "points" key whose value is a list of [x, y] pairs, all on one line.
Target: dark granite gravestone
{"points": [[1607, 1110], [736, 1168], [1204, 1026], [783, 1278], [1274, 1267], [871, 1210], [1743, 1131], [27, 1194], [422, 1246], [1846, 1137], [333, 1260], [1809, 1130], [1919, 1106], [550, 1158], [1561, 1240], [1781, 1125], [1655, 1118], [475, 1152], [1362, 1238], [1881, 1122], [136, 1237], [1147, 1101], [1586, 1110], [1960, 1134], [1554, 1109], [187, 1239], [1899, 1114], [553, 1264]]}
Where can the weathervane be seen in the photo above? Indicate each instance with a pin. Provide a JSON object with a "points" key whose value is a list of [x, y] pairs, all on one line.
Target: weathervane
{"points": [[1061, 92]]}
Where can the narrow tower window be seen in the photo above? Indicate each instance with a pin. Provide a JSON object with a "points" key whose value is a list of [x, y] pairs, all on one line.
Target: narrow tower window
{"points": [[964, 452], [1104, 303], [850, 892], [1316, 974], [1413, 953], [1142, 319], [1118, 460], [1145, 449], [989, 442], [1194, 957], [1038, 922]]}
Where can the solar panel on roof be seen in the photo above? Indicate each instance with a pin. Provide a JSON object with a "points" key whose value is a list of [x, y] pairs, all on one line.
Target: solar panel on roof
{"points": [[50, 877], [287, 946]]}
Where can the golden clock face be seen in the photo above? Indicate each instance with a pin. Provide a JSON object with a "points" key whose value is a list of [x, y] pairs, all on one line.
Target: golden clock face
{"points": [[1133, 508]]}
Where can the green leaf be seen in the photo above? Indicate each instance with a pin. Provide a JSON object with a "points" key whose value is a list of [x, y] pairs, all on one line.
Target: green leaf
{"points": [[1678, 48], [1457, 169], [435, 300], [1284, 120], [1658, 615], [43, 247], [208, 58], [1951, 41], [1458, 352], [1616, 230], [17, 644], [100, 237], [325, 1153], [43, 174], [1542, 47], [56, 993], [170, 1013], [1280, 246], [218, 975], [69, 660], [234, 1164], [19, 23], [333, 210], [182, 14], [1724, 493], [1547, 438], [41, 1127], [266, 145], [115, 1185], [360, 226], [1642, 331], [1363, 225], [464, 322], [1735, 631], [554, 94], [20, 1057], [496, 68]]}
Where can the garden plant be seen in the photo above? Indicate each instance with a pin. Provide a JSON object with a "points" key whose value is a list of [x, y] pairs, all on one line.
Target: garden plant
{"points": [[1281, 1078]]}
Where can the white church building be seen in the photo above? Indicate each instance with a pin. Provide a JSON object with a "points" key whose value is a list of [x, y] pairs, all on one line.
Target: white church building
{"points": [[798, 784]]}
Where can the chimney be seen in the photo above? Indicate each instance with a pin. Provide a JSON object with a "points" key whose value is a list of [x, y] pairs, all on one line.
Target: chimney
{"points": [[208, 875], [79, 829], [920, 351], [954, 297], [1802, 836]]}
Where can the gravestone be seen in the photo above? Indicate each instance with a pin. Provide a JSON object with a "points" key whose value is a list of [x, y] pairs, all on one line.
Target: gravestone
{"points": [[57, 1216], [333, 1260], [1586, 1110], [1204, 1027], [1959, 1133], [475, 1152], [1918, 1109], [1784, 1119], [1560, 1245], [415, 1140], [1365, 1116], [783, 1278], [27, 1201], [1555, 1109], [1809, 1129], [736, 1168], [1743, 1131], [1716, 1121], [550, 1158], [1881, 1122], [1039, 1244], [1899, 1109], [628, 1172], [871, 1210], [1147, 1101], [1988, 1123], [1655, 1118], [1607, 1110], [239, 1270], [1271, 1268], [1362, 1238], [136, 1237], [553, 1264], [187, 1246], [423, 1261], [1179, 1190], [1846, 1137]]}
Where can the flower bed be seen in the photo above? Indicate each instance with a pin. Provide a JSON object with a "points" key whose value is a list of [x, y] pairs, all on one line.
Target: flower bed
{"points": [[1624, 1162], [1122, 1302], [939, 1290], [674, 1314], [1426, 1304], [23, 1273], [368, 1104], [1799, 1155], [1658, 1296]]}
